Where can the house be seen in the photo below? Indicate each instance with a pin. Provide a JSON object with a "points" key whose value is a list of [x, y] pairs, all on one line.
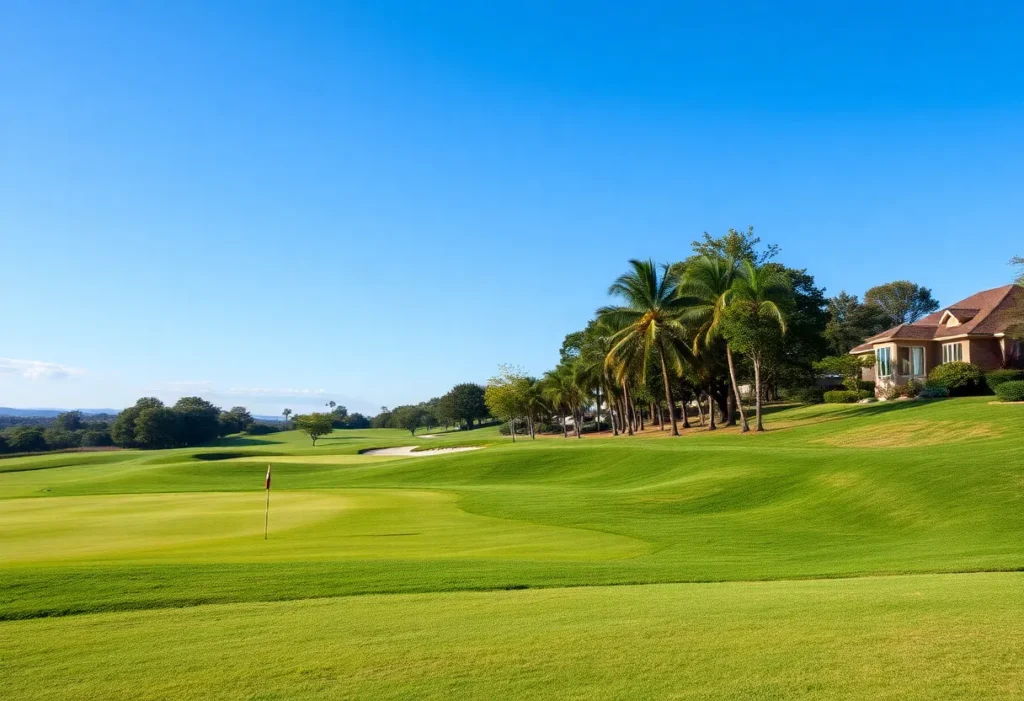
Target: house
{"points": [[974, 330]]}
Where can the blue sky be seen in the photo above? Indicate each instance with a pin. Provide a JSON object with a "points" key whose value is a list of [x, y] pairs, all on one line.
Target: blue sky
{"points": [[277, 204]]}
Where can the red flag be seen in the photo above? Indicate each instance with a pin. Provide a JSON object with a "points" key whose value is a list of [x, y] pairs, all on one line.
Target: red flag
{"points": [[268, 477]]}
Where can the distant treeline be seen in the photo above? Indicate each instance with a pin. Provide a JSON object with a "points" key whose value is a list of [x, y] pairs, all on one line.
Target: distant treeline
{"points": [[148, 423]]}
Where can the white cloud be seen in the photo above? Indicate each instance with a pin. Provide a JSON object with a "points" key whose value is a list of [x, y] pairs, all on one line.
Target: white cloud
{"points": [[37, 369]]}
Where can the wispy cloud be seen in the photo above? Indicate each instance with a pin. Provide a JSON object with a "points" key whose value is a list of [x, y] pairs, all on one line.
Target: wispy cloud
{"points": [[37, 369]]}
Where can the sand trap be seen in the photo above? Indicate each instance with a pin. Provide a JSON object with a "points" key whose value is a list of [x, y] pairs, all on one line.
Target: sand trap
{"points": [[409, 450]]}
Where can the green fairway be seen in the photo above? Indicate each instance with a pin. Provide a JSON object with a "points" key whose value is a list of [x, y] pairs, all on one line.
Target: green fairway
{"points": [[831, 491], [923, 637]]}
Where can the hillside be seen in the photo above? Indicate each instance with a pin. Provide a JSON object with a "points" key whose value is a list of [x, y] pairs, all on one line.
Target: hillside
{"points": [[851, 492]]}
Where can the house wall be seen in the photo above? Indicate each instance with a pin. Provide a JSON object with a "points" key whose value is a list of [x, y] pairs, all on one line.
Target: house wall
{"points": [[985, 353]]}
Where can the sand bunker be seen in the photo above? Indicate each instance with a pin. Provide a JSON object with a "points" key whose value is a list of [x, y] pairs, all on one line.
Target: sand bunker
{"points": [[411, 450]]}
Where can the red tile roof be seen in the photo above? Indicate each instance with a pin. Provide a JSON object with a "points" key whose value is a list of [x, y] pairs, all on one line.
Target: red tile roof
{"points": [[982, 314]]}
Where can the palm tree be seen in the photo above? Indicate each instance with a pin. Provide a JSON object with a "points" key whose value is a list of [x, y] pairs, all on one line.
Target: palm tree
{"points": [[559, 388], [759, 297], [649, 322], [331, 404], [705, 290], [286, 413]]}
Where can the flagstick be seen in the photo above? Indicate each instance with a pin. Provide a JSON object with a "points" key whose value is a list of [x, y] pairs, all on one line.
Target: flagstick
{"points": [[266, 519]]}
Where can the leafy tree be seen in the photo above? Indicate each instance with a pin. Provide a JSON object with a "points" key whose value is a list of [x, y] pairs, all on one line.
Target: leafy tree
{"points": [[4, 447], [25, 439], [790, 362], [69, 420], [122, 431], [315, 425], [381, 420], [737, 245], [755, 320], [356, 420], [159, 427], [286, 413], [59, 438], [850, 322], [408, 417], [237, 420], [95, 438], [464, 403], [506, 395], [902, 302], [572, 345], [649, 324], [200, 420]]}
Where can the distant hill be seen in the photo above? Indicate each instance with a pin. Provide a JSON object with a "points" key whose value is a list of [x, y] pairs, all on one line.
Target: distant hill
{"points": [[50, 413]]}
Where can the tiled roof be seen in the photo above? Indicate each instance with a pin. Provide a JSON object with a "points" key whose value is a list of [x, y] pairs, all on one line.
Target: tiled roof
{"points": [[984, 313]]}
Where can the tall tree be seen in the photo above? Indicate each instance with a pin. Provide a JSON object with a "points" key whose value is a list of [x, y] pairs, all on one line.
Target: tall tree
{"points": [[200, 420], [706, 290], [560, 389], [649, 323], [850, 322], [408, 417], [315, 425], [755, 318], [505, 395], [286, 413], [464, 403], [902, 301], [737, 245]]}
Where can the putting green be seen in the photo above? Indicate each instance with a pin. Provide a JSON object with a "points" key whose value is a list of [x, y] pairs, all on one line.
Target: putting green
{"points": [[305, 525]]}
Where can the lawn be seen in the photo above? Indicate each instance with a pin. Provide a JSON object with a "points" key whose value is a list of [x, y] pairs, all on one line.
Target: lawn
{"points": [[760, 558]]}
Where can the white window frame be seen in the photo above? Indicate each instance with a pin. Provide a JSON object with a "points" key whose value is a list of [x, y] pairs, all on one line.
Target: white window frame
{"points": [[883, 365], [952, 352], [924, 360]]}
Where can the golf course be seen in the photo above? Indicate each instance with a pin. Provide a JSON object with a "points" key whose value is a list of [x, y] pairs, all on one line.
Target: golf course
{"points": [[850, 551]]}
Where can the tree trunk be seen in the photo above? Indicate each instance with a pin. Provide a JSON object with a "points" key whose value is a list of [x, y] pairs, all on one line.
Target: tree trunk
{"points": [[565, 426], [529, 424], [757, 393], [512, 425], [597, 408], [700, 410], [661, 418], [668, 390], [627, 403], [614, 414], [711, 412], [736, 391]]}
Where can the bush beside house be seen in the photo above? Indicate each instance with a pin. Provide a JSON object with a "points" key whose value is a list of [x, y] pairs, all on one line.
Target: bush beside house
{"points": [[961, 379], [847, 396], [1012, 391], [997, 377]]}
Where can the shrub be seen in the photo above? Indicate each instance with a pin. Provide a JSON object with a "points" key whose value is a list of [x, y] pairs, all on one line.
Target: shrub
{"points": [[807, 395], [1012, 391], [261, 429], [911, 389], [934, 391], [997, 377], [846, 396], [961, 379]]}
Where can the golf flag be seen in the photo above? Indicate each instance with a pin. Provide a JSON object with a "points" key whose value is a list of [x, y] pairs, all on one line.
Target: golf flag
{"points": [[266, 518]]}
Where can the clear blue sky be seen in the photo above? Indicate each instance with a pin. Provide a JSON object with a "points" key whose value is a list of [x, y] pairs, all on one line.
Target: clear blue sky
{"points": [[260, 201]]}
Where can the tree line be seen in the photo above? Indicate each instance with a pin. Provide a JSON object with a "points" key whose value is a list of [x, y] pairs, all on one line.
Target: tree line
{"points": [[463, 406], [684, 338]]}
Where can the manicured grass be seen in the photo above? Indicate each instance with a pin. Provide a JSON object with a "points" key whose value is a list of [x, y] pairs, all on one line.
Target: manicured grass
{"points": [[921, 637], [829, 492]]}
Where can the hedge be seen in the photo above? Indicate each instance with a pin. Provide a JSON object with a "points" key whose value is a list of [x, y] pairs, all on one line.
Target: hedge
{"points": [[1012, 391], [846, 396], [997, 377], [960, 378]]}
